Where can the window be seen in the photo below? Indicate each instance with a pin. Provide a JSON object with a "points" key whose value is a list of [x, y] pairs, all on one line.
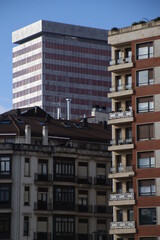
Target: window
{"points": [[64, 225], [128, 55], [129, 186], [128, 105], [128, 82], [119, 187], [119, 215], [145, 50], [145, 77], [145, 132], [146, 160], [147, 216], [118, 83], [42, 167], [145, 104], [5, 165], [83, 197], [27, 167], [65, 167], [65, 195], [26, 226], [118, 106], [5, 225], [130, 214], [118, 136], [147, 187], [119, 58], [5, 195], [128, 135], [26, 195]]}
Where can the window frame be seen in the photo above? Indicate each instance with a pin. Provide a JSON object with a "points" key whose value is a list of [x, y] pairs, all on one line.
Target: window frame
{"points": [[150, 134], [145, 218], [150, 50], [149, 159], [149, 102], [150, 185], [150, 71]]}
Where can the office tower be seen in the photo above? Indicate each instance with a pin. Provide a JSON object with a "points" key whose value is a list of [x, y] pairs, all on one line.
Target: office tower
{"points": [[53, 177], [56, 64], [135, 121]]}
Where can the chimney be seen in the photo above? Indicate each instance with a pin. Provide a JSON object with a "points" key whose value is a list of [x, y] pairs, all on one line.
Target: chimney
{"points": [[45, 135], [85, 122], [28, 134], [68, 100]]}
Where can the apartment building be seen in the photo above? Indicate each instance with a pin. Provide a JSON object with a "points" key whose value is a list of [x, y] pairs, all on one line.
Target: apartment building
{"points": [[54, 63], [53, 178], [135, 121]]}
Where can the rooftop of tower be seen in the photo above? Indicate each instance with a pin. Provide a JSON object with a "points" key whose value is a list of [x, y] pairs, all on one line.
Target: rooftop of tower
{"points": [[41, 27]]}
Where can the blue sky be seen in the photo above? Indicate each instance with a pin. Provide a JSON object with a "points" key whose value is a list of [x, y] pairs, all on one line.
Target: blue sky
{"points": [[105, 14]]}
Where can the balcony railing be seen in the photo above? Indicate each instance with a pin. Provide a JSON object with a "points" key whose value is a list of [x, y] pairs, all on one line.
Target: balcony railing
{"points": [[42, 206], [121, 141], [63, 207], [117, 115], [121, 169], [118, 61], [84, 208], [43, 177], [102, 209], [119, 225], [42, 236], [83, 236], [84, 180], [120, 88], [123, 196], [102, 180]]}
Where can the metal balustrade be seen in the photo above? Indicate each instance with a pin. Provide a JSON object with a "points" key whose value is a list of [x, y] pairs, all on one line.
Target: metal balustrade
{"points": [[123, 196], [121, 169], [121, 141], [123, 114], [120, 88], [118, 61], [119, 225]]}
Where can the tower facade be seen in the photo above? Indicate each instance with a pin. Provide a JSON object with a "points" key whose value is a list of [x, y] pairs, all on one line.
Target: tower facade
{"points": [[54, 62], [135, 121]]}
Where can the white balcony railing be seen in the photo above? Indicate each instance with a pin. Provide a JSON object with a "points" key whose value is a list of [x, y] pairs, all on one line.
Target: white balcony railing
{"points": [[121, 197], [121, 169], [119, 225], [117, 115]]}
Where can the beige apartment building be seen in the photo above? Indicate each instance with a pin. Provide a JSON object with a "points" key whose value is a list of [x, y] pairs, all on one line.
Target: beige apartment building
{"points": [[135, 121], [53, 178]]}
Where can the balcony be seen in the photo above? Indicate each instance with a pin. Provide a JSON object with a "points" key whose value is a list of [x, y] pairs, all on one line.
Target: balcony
{"points": [[122, 227], [64, 178], [43, 178], [84, 180], [84, 208], [118, 199], [120, 117], [120, 91], [59, 206], [102, 209], [42, 236], [120, 64], [121, 171], [83, 236], [102, 180], [121, 144], [42, 206], [64, 236]]}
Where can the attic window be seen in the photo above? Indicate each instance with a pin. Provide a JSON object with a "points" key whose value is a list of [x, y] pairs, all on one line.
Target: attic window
{"points": [[5, 122], [20, 121], [66, 124], [77, 125]]}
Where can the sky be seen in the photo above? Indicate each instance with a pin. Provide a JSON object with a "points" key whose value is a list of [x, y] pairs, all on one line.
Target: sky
{"points": [[104, 14]]}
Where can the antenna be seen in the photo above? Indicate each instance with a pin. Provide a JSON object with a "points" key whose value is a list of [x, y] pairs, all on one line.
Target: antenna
{"points": [[68, 100]]}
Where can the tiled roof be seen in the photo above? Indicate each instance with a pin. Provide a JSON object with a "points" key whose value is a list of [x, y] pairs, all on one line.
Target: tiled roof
{"points": [[14, 121]]}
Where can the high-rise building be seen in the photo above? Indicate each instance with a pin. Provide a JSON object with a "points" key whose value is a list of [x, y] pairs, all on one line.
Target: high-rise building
{"points": [[53, 178], [135, 121], [53, 62]]}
